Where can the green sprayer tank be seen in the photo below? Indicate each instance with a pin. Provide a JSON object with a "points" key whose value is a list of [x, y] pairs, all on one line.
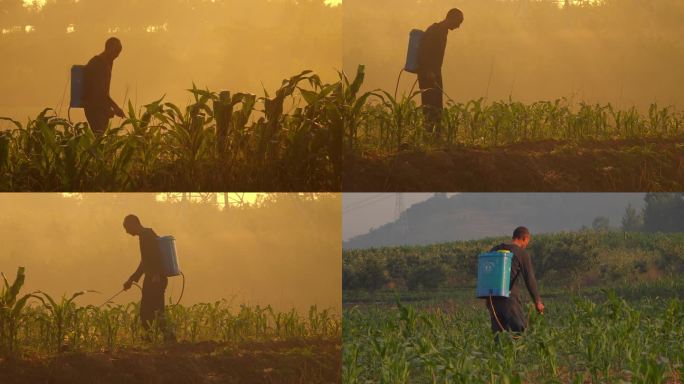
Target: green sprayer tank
{"points": [[494, 274]]}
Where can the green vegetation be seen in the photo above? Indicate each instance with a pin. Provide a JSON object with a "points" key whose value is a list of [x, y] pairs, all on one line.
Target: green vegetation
{"points": [[48, 326], [569, 259], [599, 338], [221, 141], [387, 123], [613, 313]]}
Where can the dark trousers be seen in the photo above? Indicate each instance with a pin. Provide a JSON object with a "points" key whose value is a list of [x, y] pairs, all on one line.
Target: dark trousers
{"points": [[509, 314], [432, 99], [98, 119], [152, 306]]}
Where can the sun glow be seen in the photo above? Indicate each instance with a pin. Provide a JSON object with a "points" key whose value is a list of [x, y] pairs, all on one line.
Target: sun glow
{"points": [[35, 4]]}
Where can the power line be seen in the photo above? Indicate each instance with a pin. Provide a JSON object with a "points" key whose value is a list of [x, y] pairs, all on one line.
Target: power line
{"points": [[354, 204], [367, 202]]}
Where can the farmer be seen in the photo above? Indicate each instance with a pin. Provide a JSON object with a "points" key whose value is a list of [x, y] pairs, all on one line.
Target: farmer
{"points": [[99, 106], [509, 312], [152, 304], [430, 59]]}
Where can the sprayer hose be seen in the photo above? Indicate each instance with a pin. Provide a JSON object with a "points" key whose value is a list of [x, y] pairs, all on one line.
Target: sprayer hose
{"points": [[491, 303], [182, 289]]}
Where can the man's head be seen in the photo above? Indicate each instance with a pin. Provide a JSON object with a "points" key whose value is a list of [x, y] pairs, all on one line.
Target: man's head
{"points": [[132, 225], [454, 18], [521, 237], [113, 48]]}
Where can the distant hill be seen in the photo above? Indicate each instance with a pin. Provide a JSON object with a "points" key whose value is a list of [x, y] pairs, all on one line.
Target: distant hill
{"points": [[471, 216]]}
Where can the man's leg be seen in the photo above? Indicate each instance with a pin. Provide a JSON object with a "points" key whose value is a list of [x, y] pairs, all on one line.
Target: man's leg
{"points": [[152, 306], [146, 310], [508, 317], [98, 120], [431, 102], [160, 312]]}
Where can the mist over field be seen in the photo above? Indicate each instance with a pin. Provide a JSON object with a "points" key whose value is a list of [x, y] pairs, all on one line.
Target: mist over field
{"points": [[235, 45], [283, 251], [624, 52]]}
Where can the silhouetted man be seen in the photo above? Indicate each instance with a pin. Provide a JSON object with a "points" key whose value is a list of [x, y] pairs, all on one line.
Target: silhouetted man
{"points": [[152, 304], [99, 106], [509, 312], [430, 59]]}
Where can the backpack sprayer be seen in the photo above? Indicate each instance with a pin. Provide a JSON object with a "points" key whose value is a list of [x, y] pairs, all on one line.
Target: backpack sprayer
{"points": [[494, 277], [167, 246], [77, 78], [411, 65]]}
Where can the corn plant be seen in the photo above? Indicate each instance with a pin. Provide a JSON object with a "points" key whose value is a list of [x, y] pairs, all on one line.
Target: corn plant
{"points": [[290, 140], [11, 312], [387, 123], [581, 339]]}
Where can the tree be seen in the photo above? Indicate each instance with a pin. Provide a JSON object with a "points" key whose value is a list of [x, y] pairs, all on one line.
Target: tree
{"points": [[632, 221], [664, 212]]}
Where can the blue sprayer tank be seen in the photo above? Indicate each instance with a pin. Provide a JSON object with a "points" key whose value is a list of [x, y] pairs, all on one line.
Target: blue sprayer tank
{"points": [[494, 274], [167, 245], [415, 37], [77, 73]]}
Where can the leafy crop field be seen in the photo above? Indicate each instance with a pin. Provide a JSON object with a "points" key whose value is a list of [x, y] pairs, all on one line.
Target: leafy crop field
{"points": [[288, 141], [569, 259], [584, 146], [599, 336], [42, 337]]}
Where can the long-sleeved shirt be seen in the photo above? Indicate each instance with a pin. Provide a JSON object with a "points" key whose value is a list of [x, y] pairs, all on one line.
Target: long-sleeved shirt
{"points": [[521, 269], [150, 255], [431, 50], [97, 77]]}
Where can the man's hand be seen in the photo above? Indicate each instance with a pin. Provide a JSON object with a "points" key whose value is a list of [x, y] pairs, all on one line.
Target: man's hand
{"points": [[127, 285], [540, 307], [119, 112]]}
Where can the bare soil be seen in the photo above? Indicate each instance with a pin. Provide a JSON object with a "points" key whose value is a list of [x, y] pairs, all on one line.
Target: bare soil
{"points": [[653, 165], [292, 361]]}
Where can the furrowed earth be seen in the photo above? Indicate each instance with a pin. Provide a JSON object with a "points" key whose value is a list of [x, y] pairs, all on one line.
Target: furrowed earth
{"points": [[285, 361], [544, 166]]}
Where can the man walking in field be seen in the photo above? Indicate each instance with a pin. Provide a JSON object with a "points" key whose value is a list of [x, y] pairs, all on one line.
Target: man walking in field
{"points": [[99, 106], [508, 315], [430, 59], [152, 304]]}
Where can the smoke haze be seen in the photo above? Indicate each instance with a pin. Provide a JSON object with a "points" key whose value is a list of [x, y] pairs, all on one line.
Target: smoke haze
{"points": [[235, 45], [626, 52], [284, 252]]}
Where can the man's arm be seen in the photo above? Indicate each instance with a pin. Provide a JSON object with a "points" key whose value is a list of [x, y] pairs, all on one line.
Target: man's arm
{"points": [[115, 107], [134, 277], [531, 281]]}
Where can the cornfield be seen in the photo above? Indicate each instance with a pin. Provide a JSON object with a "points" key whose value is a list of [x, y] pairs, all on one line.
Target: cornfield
{"points": [[580, 339], [387, 122], [38, 323], [290, 141]]}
